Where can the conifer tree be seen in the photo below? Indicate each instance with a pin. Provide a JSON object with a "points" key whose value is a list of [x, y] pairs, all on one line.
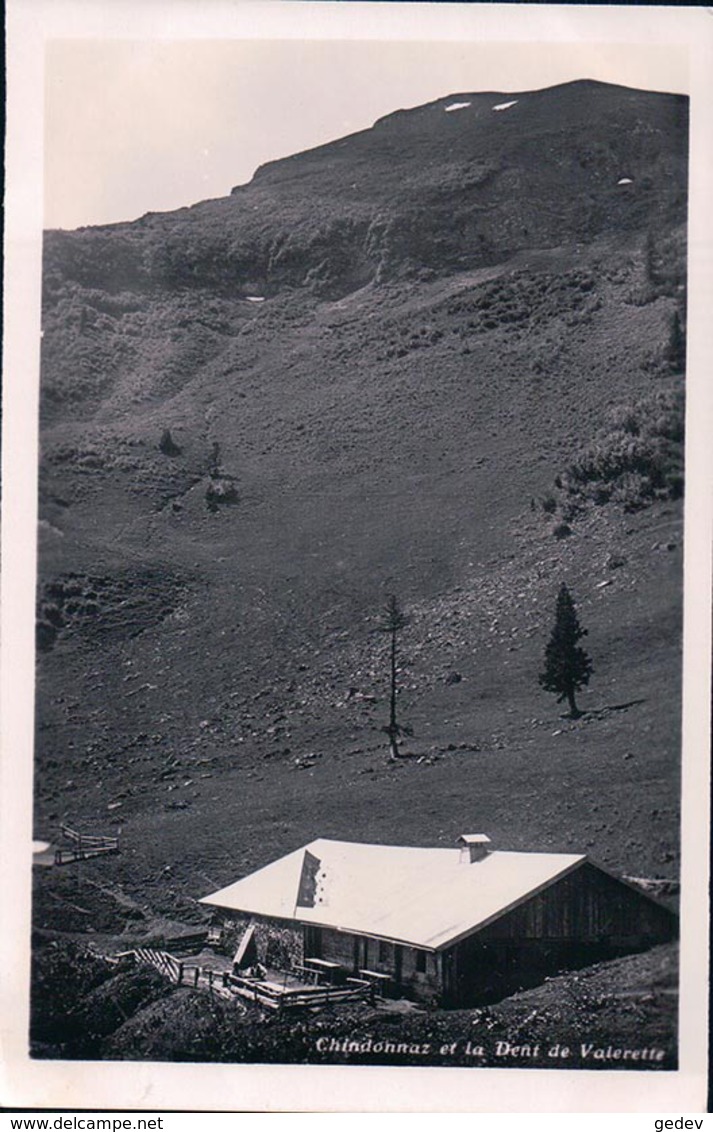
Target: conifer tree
{"points": [[676, 348], [392, 621], [168, 445], [567, 665]]}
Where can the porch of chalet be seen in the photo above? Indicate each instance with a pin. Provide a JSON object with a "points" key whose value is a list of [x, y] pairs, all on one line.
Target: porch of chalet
{"points": [[314, 983]]}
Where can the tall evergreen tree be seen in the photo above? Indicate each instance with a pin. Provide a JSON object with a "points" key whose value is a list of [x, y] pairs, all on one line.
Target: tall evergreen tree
{"points": [[567, 665], [392, 621], [676, 347]]}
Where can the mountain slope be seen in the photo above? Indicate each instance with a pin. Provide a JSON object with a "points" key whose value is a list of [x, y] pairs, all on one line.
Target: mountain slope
{"points": [[376, 363]]}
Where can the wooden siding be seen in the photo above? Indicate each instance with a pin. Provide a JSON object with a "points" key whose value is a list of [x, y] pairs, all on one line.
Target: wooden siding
{"points": [[586, 917], [587, 905], [338, 946], [400, 962]]}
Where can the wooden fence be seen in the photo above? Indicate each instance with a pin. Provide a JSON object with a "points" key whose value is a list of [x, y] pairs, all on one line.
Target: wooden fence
{"points": [[180, 973], [262, 992], [84, 846], [163, 962], [277, 997], [63, 856], [87, 840]]}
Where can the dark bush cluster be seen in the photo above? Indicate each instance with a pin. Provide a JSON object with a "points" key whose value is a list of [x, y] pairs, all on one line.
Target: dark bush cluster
{"points": [[523, 297], [99, 606], [637, 458], [78, 999], [62, 973]]}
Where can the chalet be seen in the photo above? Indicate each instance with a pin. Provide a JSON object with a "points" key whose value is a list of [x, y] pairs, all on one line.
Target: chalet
{"points": [[457, 927]]}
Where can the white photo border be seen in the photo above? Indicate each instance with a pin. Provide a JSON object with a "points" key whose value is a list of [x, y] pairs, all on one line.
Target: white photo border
{"points": [[261, 1088]]}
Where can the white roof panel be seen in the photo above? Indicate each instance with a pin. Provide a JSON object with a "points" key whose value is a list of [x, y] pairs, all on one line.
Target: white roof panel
{"points": [[424, 897]]}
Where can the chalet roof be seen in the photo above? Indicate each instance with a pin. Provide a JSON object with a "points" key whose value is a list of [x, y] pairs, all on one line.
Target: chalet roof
{"points": [[423, 897]]}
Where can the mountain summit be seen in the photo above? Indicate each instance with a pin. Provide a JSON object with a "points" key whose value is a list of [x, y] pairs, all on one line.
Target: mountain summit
{"points": [[460, 183]]}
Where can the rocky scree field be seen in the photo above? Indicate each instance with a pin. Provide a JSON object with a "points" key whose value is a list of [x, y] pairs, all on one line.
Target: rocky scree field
{"points": [[442, 358]]}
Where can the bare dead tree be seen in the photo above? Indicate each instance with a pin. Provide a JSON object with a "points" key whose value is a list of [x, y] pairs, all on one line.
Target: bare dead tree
{"points": [[392, 621]]}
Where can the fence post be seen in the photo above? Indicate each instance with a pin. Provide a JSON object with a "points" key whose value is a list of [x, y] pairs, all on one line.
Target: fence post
{"points": [[196, 976]]}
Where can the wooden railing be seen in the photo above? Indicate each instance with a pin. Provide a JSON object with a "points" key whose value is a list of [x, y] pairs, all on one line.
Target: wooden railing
{"points": [[262, 991], [87, 840], [165, 963], [277, 997], [180, 973], [62, 856], [84, 846]]}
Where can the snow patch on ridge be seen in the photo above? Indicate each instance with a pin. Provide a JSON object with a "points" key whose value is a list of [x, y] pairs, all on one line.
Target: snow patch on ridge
{"points": [[625, 181], [506, 105], [456, 106], [45, 525]]}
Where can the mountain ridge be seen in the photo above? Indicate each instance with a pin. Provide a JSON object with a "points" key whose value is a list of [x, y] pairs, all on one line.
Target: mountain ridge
{"points": [[395, 217]]}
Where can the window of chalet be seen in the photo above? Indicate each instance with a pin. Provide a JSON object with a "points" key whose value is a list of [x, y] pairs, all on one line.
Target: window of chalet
{"points": [[421, 962], [384, 951]]}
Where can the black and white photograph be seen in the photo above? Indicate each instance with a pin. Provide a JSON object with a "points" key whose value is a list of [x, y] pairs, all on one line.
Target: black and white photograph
{"points": [[355, 727]]}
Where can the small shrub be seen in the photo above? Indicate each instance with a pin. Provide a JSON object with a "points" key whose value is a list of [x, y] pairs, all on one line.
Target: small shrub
{"points": [[569, 509], [219, 492], [626, 419], [167, 444], [676, 485], [45, 636]]}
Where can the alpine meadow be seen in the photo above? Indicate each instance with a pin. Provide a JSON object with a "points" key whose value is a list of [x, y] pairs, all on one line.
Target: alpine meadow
{"points": [[316, 461]]}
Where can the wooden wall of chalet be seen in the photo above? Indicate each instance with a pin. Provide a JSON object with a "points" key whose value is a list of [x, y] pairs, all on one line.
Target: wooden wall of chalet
{"points": [[587, 905], [586, 917], [280, 943], [410, 968]]}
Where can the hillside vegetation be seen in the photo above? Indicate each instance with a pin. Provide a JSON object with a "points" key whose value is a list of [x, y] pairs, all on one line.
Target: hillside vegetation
{"points": [[442, 358]]}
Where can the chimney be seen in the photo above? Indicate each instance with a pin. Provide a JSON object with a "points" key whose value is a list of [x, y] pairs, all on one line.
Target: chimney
{"points": [[473, 847]]}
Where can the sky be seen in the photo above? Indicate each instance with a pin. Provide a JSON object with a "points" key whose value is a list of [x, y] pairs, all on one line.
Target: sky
{"points": [[136, 126]]}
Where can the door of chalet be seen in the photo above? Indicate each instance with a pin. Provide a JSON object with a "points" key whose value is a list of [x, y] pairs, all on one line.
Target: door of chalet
{"points": [[447, 976], [398, 963], [312, 942], [361, 953]]}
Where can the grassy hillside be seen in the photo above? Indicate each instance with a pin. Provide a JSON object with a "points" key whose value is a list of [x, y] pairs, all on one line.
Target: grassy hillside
{"points": [[441, 359]]}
